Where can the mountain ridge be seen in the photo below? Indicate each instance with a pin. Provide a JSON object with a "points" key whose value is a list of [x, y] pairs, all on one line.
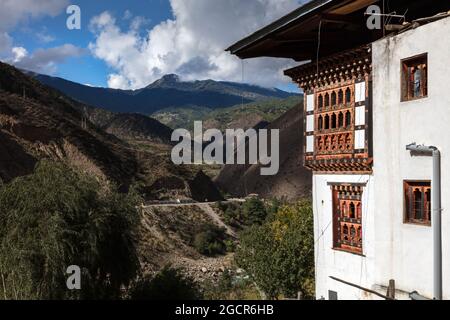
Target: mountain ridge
{"points": [[168, 92]]}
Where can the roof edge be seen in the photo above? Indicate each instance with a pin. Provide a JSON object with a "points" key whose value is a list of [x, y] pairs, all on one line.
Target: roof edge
{"points": [[278, 24]]}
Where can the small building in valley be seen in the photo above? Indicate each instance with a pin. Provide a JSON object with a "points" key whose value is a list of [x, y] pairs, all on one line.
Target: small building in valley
{"points": [[375, 80]]}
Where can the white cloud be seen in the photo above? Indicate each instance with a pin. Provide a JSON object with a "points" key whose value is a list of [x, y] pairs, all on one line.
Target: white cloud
{"points": [[44, 37], [192, 44], [117, 81], [44, 60], [19, 53], [14, 12]]}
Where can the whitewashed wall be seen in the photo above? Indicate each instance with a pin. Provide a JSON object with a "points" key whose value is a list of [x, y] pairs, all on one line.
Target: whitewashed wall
{"points": [[403, 251], [350, 267]]}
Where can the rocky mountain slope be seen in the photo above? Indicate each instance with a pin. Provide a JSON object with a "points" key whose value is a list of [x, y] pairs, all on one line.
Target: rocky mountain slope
{"points": [[128, 126], [39, 122], [166, 92], [291, 182]]}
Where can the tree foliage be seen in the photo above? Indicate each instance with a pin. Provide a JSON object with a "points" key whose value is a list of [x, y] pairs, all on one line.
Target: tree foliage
{"points": [[279, 254], [169, 284], [209, 240], [254, 211], [55, 218]]}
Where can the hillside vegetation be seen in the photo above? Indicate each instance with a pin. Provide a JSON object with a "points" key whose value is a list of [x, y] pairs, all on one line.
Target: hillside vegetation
{"points": [[243, 116], [55, 218]]}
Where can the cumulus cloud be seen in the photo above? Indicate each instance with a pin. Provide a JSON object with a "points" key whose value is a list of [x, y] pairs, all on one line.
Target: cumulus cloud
{"points": [[44, 60], [19, 53], [192, 44], [13, 12]]}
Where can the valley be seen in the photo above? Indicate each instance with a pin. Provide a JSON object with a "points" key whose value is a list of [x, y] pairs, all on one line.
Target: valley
{"points": [[187, 219]]}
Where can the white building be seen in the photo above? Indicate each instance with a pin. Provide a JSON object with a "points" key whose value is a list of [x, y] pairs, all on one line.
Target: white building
{"points": [[369, 95]]}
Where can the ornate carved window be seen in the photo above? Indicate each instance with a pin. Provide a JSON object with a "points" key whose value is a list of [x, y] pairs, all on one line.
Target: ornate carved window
{"points": [[347, 217], [417, 202], [414, 78], [338, 98]]}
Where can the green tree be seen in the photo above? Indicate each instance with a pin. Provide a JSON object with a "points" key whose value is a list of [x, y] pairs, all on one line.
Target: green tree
{"points": [[254, 211], [279, 254], [55, 218], [210, 240], [169, 284]]}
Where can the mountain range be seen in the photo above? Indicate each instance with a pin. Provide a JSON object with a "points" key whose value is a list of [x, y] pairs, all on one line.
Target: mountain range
{"points": [[38, 122], [239, 180], [168, 92]]}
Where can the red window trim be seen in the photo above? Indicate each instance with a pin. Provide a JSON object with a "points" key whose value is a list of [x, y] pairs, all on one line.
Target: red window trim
{"points": [[408, 185]]}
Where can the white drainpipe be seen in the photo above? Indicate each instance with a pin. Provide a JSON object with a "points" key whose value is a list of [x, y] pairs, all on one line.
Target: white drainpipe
{"points": [[436, 213]]}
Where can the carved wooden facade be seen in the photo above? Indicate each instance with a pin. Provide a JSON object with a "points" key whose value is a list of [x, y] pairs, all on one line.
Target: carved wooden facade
{"points": [[347, 217], [337, 112]]}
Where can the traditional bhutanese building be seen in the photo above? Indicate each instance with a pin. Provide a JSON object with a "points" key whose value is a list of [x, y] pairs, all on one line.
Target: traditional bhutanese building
{"points": [[368, 93]]}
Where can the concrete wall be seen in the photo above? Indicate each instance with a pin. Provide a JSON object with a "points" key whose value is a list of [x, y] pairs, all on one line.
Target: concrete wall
{"points": [[350, 267], [404, 251]]}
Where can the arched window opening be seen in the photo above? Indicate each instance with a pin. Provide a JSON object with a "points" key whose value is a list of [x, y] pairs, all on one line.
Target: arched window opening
{"points": [[320, 101], [344, 208], [418, 204], [341, 120], [348, 119], [345, 229], [327, 122], [333, 98], [327, 100], [333, 121], [320, 123], [352, 210], [353, 233], [348, 96], [340, 97]]}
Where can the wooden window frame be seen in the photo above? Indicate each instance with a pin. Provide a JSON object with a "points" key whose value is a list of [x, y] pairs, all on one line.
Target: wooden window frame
{"points": [[342, 217], [408, 200], [406, 65]]}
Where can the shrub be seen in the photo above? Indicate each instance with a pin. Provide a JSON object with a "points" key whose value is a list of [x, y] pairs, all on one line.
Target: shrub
{"points": [[228, 288], [210, 240], [230, 245], [55, 218], [279, 254], [168, 284], [254, 211]]}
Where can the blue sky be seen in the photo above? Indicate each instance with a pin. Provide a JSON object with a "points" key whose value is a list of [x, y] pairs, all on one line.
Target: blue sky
{"points": [[85, 69], [128, 44]]}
